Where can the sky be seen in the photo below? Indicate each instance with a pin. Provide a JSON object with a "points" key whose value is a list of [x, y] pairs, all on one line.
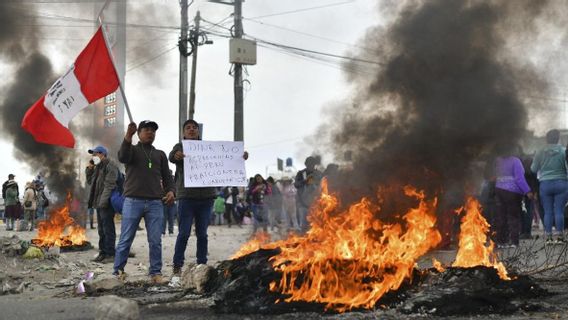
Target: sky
{"points": [[285, 94]]}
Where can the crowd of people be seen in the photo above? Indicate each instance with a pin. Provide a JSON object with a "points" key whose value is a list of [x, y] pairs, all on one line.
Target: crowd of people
{"points": [[523, 192], [23, 211], [518, 191]]}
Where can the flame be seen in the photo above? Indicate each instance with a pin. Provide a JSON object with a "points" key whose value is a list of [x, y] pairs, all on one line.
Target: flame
{"points": [[253, 245], [473, 250], [52, 232], [350, 259], [438, 265]]}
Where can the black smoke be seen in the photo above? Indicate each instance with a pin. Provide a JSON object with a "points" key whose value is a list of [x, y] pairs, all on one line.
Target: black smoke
{"points": [[445, 91], [32, 74]]}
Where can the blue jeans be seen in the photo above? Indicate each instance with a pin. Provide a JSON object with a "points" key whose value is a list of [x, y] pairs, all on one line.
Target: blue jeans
{"points": [[188, 210], [153, 212], [169, 217], [553, 196]]}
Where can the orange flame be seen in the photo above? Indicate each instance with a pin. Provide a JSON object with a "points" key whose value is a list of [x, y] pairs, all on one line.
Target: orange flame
{"points": [[350, 259], [253, 245], [52, 232], [438, 265], [473, 250]]}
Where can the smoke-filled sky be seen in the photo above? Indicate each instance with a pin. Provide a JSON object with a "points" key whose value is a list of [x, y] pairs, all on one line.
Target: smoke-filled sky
{"points": [[456, 78], [284, 92], [435, 81]]}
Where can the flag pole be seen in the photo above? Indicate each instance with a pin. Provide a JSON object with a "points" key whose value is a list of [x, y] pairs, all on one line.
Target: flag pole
{"points": [[121, 87]]}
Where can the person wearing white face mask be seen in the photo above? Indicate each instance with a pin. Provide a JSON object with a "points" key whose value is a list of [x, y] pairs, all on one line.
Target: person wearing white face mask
{"points": [[102, 176]]}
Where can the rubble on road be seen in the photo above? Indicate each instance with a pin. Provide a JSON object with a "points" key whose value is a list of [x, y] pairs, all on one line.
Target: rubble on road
{"points": [[116, 308]]}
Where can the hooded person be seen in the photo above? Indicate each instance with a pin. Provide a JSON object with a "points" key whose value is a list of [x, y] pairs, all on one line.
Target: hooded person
{"points": [[30, 206], [12, 203]]}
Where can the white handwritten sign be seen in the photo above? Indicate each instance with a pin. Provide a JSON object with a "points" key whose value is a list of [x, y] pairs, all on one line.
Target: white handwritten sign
{"points": [[213, 164]]}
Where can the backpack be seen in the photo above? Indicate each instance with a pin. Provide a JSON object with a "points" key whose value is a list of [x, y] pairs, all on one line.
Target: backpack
{"points": [[117, 194]]}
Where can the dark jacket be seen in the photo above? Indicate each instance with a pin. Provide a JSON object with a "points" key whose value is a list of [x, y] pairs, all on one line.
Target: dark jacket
{"points": [[102, 180], [147, 172], [307, 184], [182, 191]]}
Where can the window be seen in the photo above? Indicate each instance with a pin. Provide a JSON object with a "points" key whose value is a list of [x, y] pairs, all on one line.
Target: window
{"points": [[110, 122], [110, 110], [110, 98]]}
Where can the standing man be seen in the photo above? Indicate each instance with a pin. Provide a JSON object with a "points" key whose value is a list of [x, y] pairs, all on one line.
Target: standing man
{"points": [[101, 176], [194, 204], [307, 185], [147, 187]]}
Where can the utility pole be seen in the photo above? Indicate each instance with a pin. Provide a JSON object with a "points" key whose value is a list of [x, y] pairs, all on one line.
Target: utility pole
{"points": [[183, 66], [238, 74], [195, 45]]}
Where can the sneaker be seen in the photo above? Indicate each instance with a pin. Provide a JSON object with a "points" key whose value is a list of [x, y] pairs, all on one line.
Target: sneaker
{"points": [[549, 240], [176, 271], [156, 279], [120, 275], [99, 258], [560, 240]]}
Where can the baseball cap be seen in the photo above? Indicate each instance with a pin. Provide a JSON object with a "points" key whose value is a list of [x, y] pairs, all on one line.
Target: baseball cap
{"points": [[11, 176], [148, 124], [98, 149]]}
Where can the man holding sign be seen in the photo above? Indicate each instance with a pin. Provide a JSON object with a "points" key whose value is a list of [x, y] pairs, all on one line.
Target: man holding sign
{"points": [[201, 166]]}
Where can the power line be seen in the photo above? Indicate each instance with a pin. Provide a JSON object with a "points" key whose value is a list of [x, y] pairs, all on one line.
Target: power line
{"points": [[315, 52], [308, 34], [303, 9], [152, 59]]}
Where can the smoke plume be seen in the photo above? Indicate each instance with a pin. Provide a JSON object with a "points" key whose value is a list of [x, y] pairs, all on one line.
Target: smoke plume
{"points": [[32, 75], [446, 91]]}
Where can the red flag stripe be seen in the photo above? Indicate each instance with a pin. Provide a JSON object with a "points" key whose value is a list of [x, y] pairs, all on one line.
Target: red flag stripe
{"points": [[45, 128], [94, 69]]}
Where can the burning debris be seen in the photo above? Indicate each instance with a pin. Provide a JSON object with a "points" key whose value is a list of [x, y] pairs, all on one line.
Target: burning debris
{"points": [[62, 231], [349, 260]]}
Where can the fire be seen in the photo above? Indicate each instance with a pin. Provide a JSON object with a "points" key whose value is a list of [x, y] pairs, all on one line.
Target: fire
{"points": [[350, 259], [473, 250], [438, 265], [253, 245], [61, 229]]}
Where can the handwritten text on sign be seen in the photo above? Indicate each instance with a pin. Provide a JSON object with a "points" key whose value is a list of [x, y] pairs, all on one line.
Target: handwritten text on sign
{"points": [[213, 163]]}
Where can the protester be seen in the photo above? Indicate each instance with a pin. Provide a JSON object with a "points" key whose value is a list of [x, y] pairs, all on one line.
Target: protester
{"points": [[289, 203], [231, 194], [169, 216], [274, 204], [30, 206], [147, 186], [101, 176], [42, 200], [550, 165], [307, 185], [510, 188], [242, 210], [11, 195], [258, 190], [218, 210]]}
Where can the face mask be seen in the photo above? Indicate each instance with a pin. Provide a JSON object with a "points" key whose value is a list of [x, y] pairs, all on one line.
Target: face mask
{"points": [[96, 160]]}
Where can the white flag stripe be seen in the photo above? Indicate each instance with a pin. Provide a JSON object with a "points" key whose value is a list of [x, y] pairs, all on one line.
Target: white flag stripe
{"points": [[64, 99]]}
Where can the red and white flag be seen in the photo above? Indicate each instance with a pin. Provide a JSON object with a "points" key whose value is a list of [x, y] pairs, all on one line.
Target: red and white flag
{"points": [[90, 78]]}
